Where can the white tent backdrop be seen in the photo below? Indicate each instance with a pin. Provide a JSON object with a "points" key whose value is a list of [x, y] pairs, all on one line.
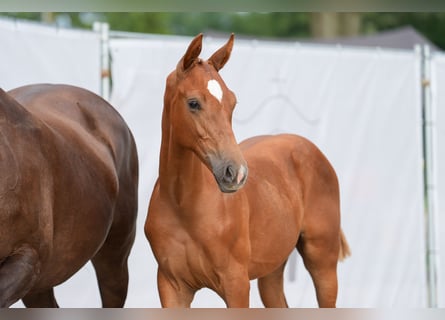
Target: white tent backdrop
{"points": [[32, 53], [438, 100], [361, 107]]}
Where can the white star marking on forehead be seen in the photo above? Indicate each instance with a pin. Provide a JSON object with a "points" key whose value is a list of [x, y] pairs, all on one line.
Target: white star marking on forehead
{"points": [[215, 89]]}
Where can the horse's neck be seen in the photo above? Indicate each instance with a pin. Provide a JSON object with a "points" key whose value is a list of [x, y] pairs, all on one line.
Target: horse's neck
{"points": [[181, 173]]}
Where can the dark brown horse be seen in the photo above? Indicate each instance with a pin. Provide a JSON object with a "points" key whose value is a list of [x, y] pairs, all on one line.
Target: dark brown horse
{"points": [[202, 237], [68, 193]]}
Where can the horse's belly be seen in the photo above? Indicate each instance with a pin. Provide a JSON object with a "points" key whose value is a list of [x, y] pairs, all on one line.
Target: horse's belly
{"points": [[74, 244], [275, 225], [270, 249]]}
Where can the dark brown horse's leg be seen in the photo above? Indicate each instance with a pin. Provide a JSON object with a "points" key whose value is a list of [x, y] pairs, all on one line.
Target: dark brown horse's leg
{"points": [[43, 299], [111, 261], [18, 273], [320, 256], [272, 290], [174, 294], [111, 266]]}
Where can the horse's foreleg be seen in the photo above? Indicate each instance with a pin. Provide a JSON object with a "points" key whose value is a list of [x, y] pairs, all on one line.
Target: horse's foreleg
{"points": [[18, 273], [172, 293], [236, 290], [272, 290], [43, 299]]}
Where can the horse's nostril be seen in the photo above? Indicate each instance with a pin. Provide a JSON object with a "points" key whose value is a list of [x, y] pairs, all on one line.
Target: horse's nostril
{"points": [[229, 174]]}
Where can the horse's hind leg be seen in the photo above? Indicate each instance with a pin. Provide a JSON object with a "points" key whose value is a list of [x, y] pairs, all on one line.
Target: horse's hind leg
{"points": [[271, 289], [111, 261], [43, 299], [111, 265], [320, 256]]}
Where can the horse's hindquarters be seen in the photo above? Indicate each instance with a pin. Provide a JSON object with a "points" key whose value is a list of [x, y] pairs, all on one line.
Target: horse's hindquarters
{"points": [[80, 164], [293, 192]]}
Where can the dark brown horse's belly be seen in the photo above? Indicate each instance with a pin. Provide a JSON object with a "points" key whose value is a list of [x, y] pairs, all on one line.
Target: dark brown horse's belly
{"points": [[67, 260], [80, 227]]}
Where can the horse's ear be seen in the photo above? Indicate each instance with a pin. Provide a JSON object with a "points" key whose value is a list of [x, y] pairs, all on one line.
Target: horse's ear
{"points": [[220, 57], [191, 54]]}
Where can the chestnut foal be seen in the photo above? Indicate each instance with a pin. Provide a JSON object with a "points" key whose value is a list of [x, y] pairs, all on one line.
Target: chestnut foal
{"points": [[205, 230]]}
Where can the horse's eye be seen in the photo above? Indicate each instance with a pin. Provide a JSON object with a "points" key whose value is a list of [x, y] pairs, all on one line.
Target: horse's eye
{"points": [[194, 105]]}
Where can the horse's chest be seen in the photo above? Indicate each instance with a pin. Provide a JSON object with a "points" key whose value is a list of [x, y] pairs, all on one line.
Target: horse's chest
{"points": [[193, 256], [179, 256]]}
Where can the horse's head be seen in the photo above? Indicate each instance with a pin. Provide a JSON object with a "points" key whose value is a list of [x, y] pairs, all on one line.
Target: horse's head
{"points": [[200, 114]]}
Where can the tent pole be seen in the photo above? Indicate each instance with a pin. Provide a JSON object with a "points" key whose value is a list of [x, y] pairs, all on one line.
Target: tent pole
{"points": [[429, 177], [103, 30]]}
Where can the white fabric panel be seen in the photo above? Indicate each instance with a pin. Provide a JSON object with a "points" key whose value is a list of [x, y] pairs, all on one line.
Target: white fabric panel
{"points": [[32, 53], [438, 100], [361, 107]]}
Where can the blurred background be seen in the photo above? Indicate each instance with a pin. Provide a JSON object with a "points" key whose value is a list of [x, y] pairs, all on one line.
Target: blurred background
{"points": [[301, 26]]}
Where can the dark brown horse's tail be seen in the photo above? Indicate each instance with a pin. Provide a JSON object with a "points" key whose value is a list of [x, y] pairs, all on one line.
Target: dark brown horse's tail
{"points": [[345, 251]]}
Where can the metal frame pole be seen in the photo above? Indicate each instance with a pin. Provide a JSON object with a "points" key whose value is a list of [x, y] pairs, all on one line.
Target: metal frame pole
{"points": [[429, 176], [104, 31]]}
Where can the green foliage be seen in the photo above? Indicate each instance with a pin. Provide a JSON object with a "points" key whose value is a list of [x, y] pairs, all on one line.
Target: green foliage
{"points": [[430, 24], [275, 24], [146, 22], [23, 15]]}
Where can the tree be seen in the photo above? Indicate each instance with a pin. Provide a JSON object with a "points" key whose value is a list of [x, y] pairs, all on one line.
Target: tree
{"points": [[430, 24]]}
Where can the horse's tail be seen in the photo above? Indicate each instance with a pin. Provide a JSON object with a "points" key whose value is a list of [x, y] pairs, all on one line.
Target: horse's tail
{"points": [[345, 251]]}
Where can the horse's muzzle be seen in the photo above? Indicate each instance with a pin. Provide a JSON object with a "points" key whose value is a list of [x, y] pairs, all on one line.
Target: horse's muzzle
{"points": [[230, 177]]}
